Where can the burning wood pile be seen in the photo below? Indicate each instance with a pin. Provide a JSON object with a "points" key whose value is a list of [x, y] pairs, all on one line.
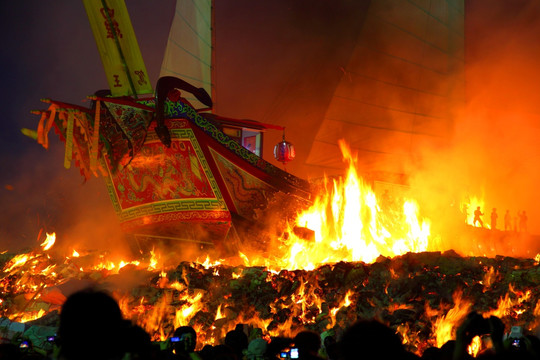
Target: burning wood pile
{"points": [[423, 296], [361, 259]]}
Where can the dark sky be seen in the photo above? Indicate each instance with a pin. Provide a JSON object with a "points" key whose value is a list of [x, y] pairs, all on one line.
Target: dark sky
{"points": [[49, 51]]}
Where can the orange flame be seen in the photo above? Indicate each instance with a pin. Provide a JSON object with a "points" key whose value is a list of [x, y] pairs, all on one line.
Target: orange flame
{"points": [[475, 346], [49, 241], [445, 326], [511, 304], [349, 224]]}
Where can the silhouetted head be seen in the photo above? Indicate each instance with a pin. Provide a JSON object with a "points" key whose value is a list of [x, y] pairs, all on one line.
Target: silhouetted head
{"points": [[138, 341], [447, 350], [237, 340], [370, 340], [90, 326], [187, 339], [307, 342], [431, 353]]}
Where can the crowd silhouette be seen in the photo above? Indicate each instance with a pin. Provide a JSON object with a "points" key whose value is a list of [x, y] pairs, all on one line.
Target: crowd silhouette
{"points": [[517, 223], [91, 327]]}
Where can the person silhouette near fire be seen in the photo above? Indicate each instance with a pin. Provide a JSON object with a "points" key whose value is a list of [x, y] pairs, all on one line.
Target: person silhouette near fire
{"points": [[507, 221], [477, 214], [494, 218]]}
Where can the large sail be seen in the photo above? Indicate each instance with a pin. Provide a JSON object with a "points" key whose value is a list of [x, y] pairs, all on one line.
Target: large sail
{"points": [[188, 54], [399, 91]]}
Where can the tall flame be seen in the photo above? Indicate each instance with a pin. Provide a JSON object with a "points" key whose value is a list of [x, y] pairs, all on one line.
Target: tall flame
{"points": [[445, 326], [49, 241], [350, 224]]}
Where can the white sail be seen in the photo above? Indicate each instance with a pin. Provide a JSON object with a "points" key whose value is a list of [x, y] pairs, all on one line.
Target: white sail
{"points": [[188, 54], [400, 89]]}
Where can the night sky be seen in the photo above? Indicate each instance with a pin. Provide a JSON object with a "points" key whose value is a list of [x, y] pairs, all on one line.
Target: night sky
{"points": [[49, 51]]}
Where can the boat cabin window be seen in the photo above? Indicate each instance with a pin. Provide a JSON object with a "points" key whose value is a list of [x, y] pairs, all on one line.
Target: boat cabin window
{"points": [[251, 139]]}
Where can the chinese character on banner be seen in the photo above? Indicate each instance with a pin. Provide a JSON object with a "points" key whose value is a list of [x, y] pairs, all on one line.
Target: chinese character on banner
{"points": [[108, 25], [118, 47], [117, 82], [141, 75]]}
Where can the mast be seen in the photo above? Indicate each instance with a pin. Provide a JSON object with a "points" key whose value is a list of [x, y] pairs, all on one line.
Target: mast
{"points": [[398, 91]]}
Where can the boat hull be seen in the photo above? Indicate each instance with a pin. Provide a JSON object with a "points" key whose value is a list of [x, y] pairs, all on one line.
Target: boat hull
{"points": [[204, 187], [197, 189]]}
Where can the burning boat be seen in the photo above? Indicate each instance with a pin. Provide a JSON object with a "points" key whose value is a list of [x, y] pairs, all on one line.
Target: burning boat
{"points": [[174, 170], [417, 294]]}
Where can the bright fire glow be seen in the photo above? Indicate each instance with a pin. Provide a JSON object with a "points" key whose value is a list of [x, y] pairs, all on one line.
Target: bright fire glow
{"points": [[445, 326], [49, 241], [349, 223]]}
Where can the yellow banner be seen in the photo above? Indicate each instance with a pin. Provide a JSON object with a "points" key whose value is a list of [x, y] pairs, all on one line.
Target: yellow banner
{"points": [[118, 47]]}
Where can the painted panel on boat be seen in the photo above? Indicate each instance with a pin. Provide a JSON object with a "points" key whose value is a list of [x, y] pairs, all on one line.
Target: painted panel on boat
{"points": [[247, 192], [162, 180]]}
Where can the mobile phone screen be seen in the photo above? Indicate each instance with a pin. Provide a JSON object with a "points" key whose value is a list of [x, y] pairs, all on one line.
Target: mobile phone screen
{"points": [[294, 353]]}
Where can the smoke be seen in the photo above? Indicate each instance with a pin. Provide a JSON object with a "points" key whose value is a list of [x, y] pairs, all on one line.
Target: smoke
{"points": [[494, 151], [56, 200]]}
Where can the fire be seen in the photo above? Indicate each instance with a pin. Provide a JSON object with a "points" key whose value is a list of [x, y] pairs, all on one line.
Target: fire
{"points": [[154, 260], [349, 223], [445, 326], [469, 206], [347, 228], [511, 304], [32, 315], [17, 261], [475, 346], [191, 305], [207, 264], [489, 277], [49, 241], [280, 303]]}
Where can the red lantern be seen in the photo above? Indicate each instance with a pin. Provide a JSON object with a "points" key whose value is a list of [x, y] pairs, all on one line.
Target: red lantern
{"points": [[284, 151]]}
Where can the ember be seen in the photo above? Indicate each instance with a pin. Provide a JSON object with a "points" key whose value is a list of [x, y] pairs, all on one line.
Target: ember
{"points": [[413, 293], [366, 259]]}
